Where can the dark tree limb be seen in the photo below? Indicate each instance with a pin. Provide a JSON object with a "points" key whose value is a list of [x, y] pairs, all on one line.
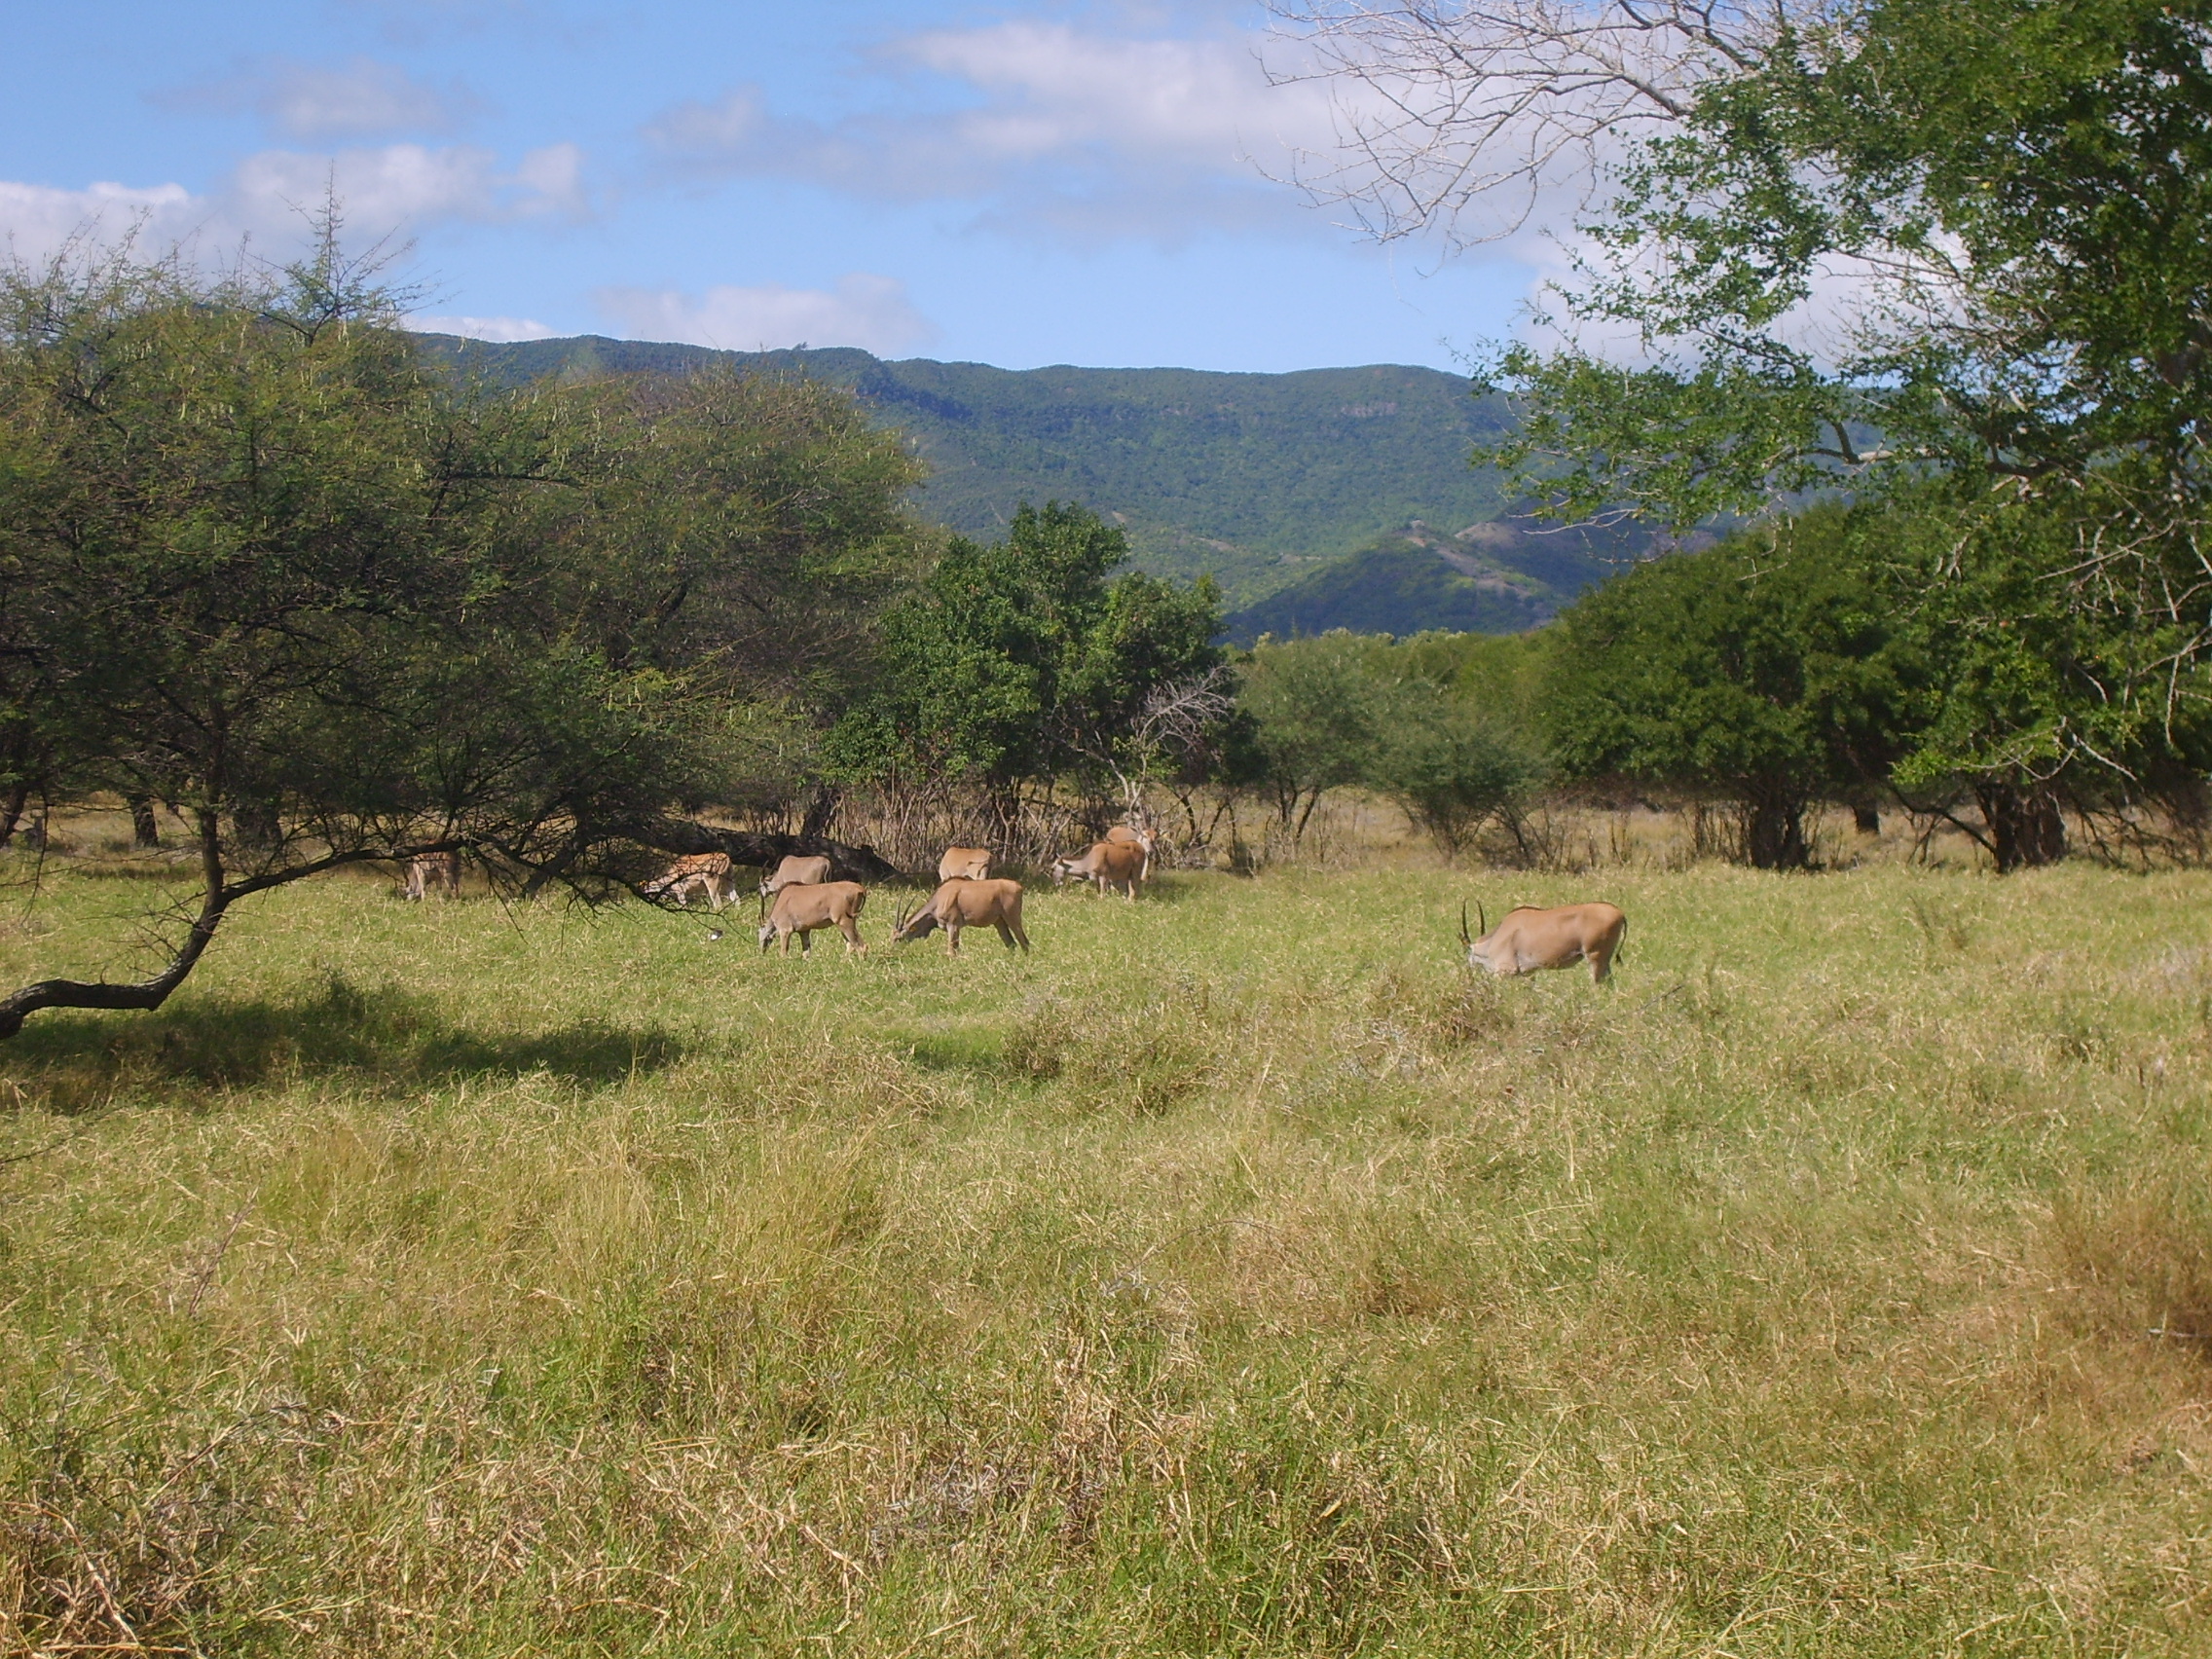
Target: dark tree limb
{"points": [[217, 897]]}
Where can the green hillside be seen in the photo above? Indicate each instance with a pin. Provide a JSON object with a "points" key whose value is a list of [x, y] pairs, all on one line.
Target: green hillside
{"points": [[1258, 479], [1497, 577]]}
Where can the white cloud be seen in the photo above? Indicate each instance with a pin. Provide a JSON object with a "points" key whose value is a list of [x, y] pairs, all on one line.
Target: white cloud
{"points": [[37, 221], [356, 99], [397, 188], [499, 328], [553, 180], [385, 191], [709, 131], [873, 312], [1203, 102], [1046, 129]]}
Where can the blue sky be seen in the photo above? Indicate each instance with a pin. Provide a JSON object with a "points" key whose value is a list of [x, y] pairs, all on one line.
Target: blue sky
{"points": [[1016, 184]]}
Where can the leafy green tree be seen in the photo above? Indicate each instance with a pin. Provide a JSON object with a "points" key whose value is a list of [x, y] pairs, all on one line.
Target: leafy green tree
{"points": [[1020, 660], [1771, 671], [1449, 770], [1343, 710], [1999, 215], [1317, 717]]}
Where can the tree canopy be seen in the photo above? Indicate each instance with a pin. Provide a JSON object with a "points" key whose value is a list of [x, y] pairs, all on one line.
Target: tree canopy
{"points": [[1021, 659], [1771, 670], [1951, 255]]}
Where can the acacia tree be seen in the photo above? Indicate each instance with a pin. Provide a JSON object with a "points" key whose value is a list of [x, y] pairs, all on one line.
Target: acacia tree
{"points": [[262, 564], [2009, 208]]}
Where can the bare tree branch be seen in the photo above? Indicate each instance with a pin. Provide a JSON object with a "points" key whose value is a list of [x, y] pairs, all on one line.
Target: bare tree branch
{"points": [[1456, 117]]}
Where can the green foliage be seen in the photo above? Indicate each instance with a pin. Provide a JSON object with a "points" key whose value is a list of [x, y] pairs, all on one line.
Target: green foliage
{"points": [[1019, 659], [1346, 708], [2022, 359], [1450, 770], [1313, 707], [1771, 670]]}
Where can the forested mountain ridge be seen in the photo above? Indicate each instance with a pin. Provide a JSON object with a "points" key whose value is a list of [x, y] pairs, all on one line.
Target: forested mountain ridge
{"points": [[1267, 482]]}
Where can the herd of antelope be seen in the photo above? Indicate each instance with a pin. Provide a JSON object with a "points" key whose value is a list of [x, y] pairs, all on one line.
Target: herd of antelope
{"points": [[797, 897]]}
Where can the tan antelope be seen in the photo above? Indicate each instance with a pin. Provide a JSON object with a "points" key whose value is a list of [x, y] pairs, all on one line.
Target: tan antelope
{"points": [[433, 872], [1138, 835], [968, 903], [795, 871], [1530, 939], [803, 906], [1115, 863], [964, 864], [706, 873]]}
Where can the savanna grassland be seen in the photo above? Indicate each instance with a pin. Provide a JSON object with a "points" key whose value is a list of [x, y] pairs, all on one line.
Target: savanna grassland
{"points": [[1232, 1275]]}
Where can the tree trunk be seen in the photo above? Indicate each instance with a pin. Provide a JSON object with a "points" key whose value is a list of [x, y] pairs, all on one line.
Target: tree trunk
{"points": [[1774, 831], [2025, 826], [822, 810], [145, 831], [12, 804]]}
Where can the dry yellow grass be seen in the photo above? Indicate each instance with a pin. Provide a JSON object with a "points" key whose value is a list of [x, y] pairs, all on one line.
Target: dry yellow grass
{"points": [[1232, 1276]]}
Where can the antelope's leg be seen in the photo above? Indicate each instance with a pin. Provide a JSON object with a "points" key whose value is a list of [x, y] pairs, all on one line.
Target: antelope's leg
{"points": [[952, 939], [851, 929], [1006, 936]]}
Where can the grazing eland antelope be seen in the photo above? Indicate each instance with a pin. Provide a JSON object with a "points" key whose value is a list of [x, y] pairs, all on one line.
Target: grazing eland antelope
{"points": [[433, 872], [803, 906], [795, 871], [968, 903], [1138, 835], [964, 864], [1115, 863], [1530, 939], [706, 873]]}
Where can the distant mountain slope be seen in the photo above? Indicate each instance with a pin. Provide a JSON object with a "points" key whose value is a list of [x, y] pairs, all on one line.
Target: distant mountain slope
{"points": [[1497, 577], [1255, 478]]}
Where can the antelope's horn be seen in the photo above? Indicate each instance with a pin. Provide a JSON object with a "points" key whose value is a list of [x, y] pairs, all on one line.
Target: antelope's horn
{"points": [[1481, 921], [1464, 937]]}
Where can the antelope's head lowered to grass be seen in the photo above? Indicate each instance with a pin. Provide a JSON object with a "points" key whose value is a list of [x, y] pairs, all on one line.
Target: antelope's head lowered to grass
{"points": [[960, 903], [1530, 939]]}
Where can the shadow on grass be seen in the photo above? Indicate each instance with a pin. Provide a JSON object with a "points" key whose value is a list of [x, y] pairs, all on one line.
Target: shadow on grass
{"points": [[336, 1027], [960, 1050], [1179, 888]]}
